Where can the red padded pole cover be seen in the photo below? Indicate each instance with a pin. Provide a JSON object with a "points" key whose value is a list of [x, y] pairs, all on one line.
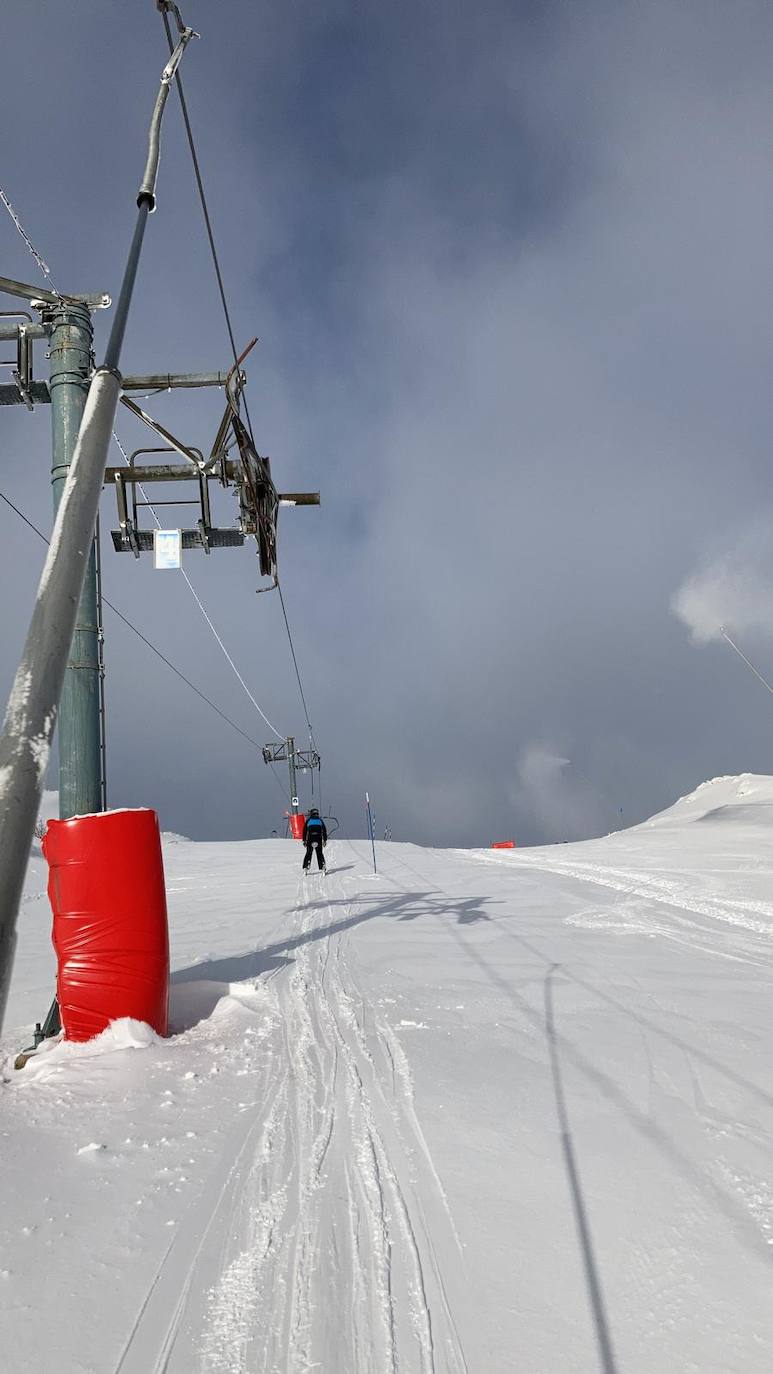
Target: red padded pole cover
{"points": [[106, 888], [503, 844], [296, 825]]}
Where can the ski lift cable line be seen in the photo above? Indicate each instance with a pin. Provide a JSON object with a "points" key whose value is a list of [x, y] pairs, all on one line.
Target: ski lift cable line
{"points": [[746, 660], [42, 264], [211, 237], [260, 712], [295, 662], [144, 638], [280, 784], [204, 207], [224, 301], [201, 606]]}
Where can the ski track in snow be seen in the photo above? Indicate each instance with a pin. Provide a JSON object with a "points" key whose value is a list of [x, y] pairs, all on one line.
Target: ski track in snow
{"points": [[753, 919], [330, 1219]]}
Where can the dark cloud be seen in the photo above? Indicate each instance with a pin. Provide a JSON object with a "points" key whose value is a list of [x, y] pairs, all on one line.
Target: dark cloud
{"points": [[509, 269]]}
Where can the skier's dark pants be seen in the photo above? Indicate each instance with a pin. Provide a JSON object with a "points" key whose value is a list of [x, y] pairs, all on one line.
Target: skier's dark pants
{"points": [[310, 846]]}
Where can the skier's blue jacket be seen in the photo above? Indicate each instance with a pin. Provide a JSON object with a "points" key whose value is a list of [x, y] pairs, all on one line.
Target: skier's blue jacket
{"points": [[314, 830]]}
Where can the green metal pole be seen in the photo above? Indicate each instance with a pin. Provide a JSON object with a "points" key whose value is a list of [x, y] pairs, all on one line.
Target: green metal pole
{"points": [[293, 781], [79, 732]]}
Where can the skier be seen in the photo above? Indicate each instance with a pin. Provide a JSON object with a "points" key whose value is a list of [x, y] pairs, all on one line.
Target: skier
{"points": [[314, 837]]}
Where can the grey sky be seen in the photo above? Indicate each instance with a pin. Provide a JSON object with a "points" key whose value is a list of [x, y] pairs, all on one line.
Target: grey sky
{"points": [[509, 265]]}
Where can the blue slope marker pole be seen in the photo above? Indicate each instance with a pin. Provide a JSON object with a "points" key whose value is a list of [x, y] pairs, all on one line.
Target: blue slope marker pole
{"points": [[371, 830]]}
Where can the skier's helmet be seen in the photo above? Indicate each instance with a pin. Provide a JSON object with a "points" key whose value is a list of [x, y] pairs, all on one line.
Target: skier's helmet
{"points": [[314, 811]]}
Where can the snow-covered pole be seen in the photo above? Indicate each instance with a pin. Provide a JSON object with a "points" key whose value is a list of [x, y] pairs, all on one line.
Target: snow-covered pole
{"points": [[34, 701], [79, 723], [371, 831]]}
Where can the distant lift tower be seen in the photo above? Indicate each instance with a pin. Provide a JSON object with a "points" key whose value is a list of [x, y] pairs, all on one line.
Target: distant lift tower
{"points": [[298, 761]]}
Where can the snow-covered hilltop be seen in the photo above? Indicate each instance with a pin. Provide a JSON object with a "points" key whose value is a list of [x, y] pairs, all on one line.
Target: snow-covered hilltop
{"points": [[490, 1111]]}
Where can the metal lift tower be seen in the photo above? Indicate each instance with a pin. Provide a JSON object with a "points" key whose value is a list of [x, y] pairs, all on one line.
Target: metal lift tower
{"points": [[58, 679]]}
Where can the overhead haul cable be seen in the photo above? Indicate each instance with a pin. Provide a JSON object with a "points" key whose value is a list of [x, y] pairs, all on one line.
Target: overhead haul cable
{"points": [[144, 638], [295, 660], [280, 784], [202, 197], [165, 8], [44, 268], [200, 604]]}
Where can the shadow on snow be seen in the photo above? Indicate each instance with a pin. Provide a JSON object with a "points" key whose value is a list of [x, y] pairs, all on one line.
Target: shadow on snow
{"points": [[196, 990]]}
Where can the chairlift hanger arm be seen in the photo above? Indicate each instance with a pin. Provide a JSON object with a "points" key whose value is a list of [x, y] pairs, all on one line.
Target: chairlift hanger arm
{"points": [[147, 192], [235, 382], [233, 392], [218, 450], [169, 7]]}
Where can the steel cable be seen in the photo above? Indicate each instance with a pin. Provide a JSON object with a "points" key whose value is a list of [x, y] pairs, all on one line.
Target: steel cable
{"points": [[44, 268], [201, 606], [205, 212], [226, 312], [144, 639], [295, 661], [746, 660]]}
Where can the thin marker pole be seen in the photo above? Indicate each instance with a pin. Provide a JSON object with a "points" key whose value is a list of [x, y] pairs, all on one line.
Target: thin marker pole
{"points": [[371, 832]]}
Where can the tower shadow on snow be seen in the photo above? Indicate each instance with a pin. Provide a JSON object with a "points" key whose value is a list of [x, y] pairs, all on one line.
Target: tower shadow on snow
{"points": [[582, 1222], [196, 990]]}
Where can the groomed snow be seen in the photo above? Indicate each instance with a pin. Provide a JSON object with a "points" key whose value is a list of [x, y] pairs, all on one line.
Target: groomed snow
{"points": [[493, 1111]]}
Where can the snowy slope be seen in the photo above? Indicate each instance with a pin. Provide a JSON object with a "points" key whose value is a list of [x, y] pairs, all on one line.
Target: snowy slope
{"points": [[490, 1111]]}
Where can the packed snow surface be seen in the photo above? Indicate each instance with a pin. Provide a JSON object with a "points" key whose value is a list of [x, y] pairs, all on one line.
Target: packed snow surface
{"points": [[503, 1112]]}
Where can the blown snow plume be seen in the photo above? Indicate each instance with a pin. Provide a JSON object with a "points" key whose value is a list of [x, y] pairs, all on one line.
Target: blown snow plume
{"points": [[732, 593], [562, 803]]}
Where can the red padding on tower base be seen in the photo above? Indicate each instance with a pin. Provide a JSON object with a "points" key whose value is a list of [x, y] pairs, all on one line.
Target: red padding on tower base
{"points": [[502, 844], [296, 825], [106, 888]]}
